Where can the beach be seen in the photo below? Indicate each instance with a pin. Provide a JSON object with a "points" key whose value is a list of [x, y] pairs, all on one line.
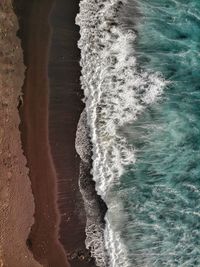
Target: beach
{"points": [[42, 215], [46, 184], [50, 112], [16, 199], [99, 133], [65, 107], [43, 238]]}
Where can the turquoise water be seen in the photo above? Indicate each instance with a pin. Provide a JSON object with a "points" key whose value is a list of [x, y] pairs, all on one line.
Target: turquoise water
{"points": [[161, 192]]}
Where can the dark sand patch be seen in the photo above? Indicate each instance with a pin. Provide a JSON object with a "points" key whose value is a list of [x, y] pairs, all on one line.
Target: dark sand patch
{"points": [[65, 107]]}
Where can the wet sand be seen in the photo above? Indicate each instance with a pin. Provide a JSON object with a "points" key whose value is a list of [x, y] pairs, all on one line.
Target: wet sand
{"points": [[50, 113], [65, 107]]}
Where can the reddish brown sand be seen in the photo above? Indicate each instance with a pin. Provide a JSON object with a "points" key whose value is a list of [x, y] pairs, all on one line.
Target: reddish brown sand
{"points": [[16, 200], [43, 240], [49, 128]]}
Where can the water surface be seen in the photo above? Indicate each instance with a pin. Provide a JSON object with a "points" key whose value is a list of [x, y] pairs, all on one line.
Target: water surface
{"points": [[161, 191]]}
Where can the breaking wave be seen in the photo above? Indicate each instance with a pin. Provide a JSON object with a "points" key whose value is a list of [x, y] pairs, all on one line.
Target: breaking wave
{"points": [[116, 90]]}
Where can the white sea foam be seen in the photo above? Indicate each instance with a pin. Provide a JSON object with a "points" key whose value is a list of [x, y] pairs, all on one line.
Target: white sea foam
{"points": [[116, 249], [116, 91], [94, 225]]}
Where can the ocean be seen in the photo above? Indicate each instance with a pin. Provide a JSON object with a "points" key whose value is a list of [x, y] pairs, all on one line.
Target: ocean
{"points": [[140, 75]]}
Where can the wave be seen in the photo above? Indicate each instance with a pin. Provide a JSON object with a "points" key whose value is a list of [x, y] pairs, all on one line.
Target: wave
{"points": [[116, 90], [94, 207]]}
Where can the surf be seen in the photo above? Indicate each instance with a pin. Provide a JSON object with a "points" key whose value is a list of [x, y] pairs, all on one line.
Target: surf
{"points": [[116, 91]]}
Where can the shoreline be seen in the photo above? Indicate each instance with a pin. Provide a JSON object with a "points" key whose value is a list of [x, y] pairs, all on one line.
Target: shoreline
{"points": [[65, 107], [43, 216], [49, 125], [95, 207]]}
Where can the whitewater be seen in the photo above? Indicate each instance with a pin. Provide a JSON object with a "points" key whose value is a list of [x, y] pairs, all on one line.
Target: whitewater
{"points": [[140, 75], [116, 91]]}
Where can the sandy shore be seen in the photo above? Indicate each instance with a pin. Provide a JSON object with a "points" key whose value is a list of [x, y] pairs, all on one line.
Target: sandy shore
{"points": [[65, 107], [36, 34], [50, 114], [16, 199], [42, 216]]}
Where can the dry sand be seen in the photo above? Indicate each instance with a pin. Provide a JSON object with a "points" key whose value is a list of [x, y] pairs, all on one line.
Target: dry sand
{"points": [[16, 199]]}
